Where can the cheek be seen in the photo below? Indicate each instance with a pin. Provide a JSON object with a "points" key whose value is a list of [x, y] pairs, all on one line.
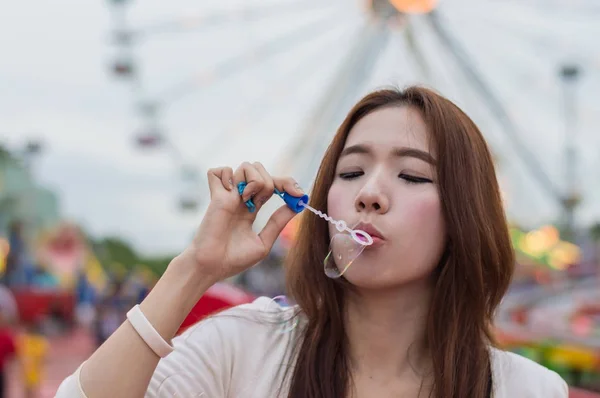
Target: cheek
{"points": [[427, 226], [339, 205], [336, 202], [426, 210]]}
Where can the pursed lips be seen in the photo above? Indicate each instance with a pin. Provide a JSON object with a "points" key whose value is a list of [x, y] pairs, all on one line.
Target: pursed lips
{"points": [[371, 230]]}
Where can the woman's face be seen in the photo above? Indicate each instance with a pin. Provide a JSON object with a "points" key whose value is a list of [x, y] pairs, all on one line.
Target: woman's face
{"points": [[386, 177]]}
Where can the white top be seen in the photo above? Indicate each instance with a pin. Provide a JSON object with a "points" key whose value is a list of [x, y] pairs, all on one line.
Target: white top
{"points": [[243, 351]]}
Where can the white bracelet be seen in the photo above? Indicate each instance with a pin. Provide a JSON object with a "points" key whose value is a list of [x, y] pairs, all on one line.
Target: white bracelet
{"points": [[144, 328]]}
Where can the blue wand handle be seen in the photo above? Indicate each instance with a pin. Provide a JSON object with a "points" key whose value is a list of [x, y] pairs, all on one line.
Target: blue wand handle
{"points": [[293, 202]]}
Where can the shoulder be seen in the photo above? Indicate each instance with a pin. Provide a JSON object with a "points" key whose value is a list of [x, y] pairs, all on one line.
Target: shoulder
{"points": [[515, 375], [221, 354], [263, 316], [246, 329]]}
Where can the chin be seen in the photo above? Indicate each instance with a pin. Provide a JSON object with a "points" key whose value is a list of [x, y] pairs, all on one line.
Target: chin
{"points": [[365, 276], [367, 282]]}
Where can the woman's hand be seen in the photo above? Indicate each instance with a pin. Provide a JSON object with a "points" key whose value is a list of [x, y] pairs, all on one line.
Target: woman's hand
{"points": [[225, 243]]}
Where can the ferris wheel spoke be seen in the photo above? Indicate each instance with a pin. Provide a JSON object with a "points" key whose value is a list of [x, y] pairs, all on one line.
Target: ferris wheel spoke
{"points": [[549, 35], [356, 68], [243, 61], [510, 128], [414, 49], [283, 87]]}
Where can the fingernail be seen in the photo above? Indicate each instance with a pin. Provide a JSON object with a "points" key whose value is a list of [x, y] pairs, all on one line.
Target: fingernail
{"points": [[298, 187], [230, 182]]}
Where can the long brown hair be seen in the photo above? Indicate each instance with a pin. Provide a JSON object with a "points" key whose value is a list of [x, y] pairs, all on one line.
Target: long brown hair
{"points": [[470, 280]]}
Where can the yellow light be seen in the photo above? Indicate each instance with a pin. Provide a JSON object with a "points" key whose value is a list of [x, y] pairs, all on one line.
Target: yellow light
{"points": [[414, 6], [535, 243], [4, 250], [540, 241], [563, 255], [552, 234], [572, 356]]}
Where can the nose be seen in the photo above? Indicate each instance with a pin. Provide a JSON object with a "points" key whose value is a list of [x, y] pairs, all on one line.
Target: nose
{"points": [[372, 198]]}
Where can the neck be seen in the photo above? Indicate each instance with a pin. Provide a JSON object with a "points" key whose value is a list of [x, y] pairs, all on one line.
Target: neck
{"points": [[386, 331]]}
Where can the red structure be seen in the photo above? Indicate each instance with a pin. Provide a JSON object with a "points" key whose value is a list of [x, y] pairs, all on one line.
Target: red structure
{"points": [[33, 304], [219, 297], [576, 393]]}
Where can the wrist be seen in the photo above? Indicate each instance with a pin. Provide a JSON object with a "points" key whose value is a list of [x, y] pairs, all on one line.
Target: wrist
{"points": [[190, 265], [186, 281], [175, 294]]}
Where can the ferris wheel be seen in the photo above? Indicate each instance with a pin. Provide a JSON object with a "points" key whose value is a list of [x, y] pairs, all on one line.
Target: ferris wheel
{"points": [[408, 41]]}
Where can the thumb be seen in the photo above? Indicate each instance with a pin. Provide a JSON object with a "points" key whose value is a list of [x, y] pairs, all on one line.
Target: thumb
{"points": [[275, 225]]}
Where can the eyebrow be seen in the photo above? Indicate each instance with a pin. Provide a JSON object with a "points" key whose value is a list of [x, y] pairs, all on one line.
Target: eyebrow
{"points": [[399, 152]]}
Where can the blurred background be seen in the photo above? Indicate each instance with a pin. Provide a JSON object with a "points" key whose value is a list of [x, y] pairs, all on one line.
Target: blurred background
{"points": [[111, 112]]}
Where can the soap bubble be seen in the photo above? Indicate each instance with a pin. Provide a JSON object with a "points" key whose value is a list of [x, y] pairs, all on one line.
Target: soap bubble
{"points": [[281, 304], [343, 250]]}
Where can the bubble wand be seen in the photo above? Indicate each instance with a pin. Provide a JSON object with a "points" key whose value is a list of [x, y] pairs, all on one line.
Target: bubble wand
{"points": [[297, 204]]}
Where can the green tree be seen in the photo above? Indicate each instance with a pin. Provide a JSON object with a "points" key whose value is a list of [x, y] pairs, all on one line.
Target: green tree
{"points": [[112, 251], [7, 156], [157, 265], [115, 252]]}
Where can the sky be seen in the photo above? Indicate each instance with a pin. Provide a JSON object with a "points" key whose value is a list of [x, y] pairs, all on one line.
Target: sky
{"points": [[56, 87]]}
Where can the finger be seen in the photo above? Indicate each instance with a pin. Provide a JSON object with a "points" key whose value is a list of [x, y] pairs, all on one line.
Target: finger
{"points": [[247, 173], [269, 186], [288, 185], [275, 225], [214, 179], [227, 178]]}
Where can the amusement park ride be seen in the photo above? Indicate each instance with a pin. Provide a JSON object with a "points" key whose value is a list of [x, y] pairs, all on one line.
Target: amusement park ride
{"points": [[572, 345], [384, 17]]}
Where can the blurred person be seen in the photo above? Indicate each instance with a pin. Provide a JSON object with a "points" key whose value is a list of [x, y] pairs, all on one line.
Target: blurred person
{"points": [[42, 279], [138, 284], [108, 319], [265, 278], [32, 350], [111, 309], [53, 322], [413, 315], [86, 298], [16, 273], [8, 305]]}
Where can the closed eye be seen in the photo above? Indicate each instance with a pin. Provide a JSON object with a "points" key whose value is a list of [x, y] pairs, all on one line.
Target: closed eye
{"points": [[352, 175], [414, 179]]}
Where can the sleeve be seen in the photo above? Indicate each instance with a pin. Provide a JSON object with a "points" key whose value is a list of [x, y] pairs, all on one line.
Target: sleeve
{"points": [[548, 384], [562, 389], [200, 366], [70, 387]]}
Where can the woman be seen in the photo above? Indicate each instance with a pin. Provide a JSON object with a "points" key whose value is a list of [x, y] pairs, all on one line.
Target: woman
{"points": [[410, 318]]}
